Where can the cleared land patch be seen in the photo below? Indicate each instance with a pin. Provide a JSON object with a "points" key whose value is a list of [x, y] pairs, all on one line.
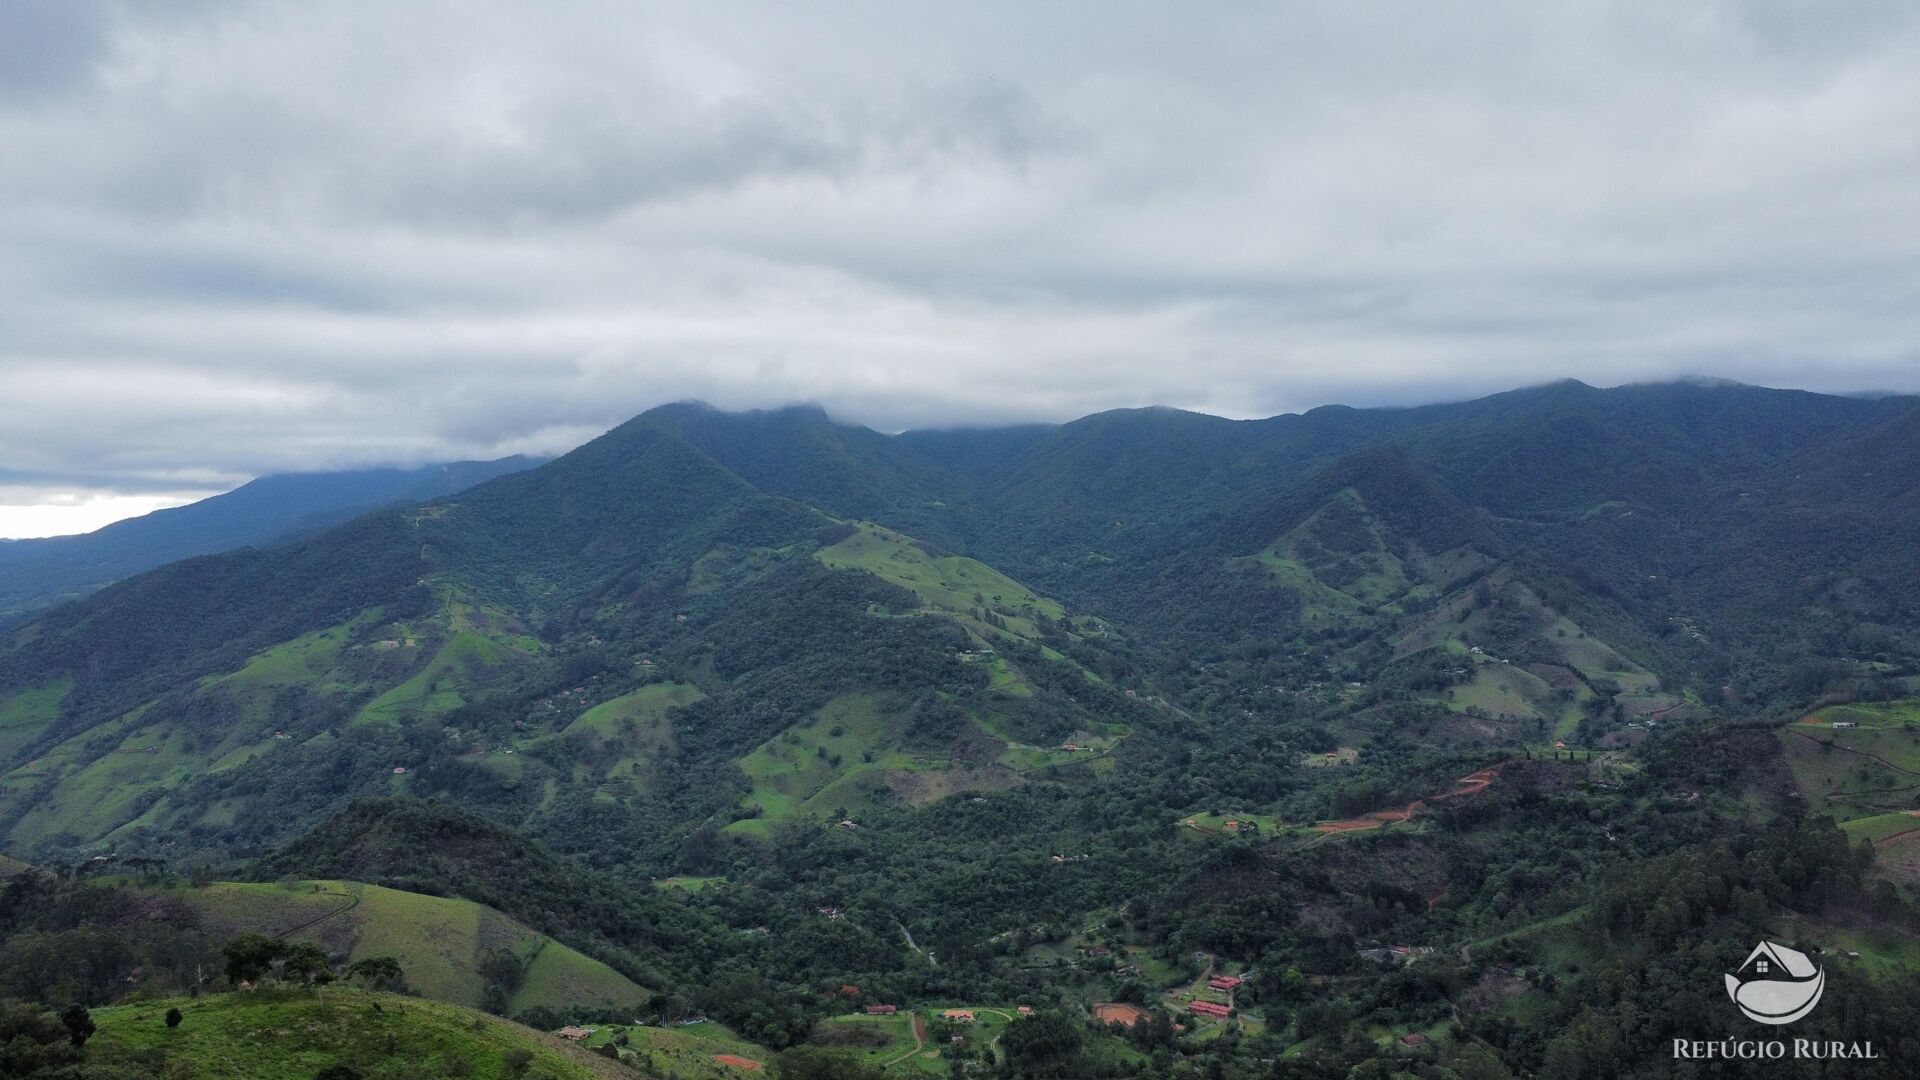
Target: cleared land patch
{"points": [[947, 583]]}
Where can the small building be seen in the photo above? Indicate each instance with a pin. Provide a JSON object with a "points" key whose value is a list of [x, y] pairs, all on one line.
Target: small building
{"points": [[1209, 1008], [1414, 1039], [574, 1034], [1027, 1010], [958, 1016], [848, 990], [1838, 724], [399, 770], [1223, 982], [882, 1010]]}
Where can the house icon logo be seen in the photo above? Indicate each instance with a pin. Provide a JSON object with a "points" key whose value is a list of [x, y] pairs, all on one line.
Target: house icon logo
{"points": [[1776, 985]]}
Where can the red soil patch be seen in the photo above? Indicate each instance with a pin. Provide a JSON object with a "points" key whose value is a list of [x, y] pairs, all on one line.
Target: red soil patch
{"points": [[736, 1060], [1119, 1014], [1470, 784]]}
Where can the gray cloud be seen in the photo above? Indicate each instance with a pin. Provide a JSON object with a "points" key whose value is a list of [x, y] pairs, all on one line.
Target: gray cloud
{"points": [[240, 237]]}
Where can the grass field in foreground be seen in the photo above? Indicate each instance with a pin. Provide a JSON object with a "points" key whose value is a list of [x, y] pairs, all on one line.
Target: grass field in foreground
{"points": [[293, 1034]]}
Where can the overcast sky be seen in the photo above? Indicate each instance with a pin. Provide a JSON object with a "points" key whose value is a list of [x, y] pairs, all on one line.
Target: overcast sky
{"points": [[238, 238]]}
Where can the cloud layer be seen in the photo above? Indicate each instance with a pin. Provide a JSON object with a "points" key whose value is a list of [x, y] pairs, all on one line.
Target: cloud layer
{"points": [[244, 237]]}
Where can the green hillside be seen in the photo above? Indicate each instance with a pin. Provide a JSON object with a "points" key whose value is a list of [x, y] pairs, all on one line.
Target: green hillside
{"points": [[293, 1034], [440, 942], [943, 582]]}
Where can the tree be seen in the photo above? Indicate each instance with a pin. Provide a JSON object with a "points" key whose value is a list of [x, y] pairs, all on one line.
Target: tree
{"points": [[501, 974], [31, 1040], [306, 963], [516, 1063], [338, 1072], [377, 972], [79, 1024], [1046, 1040], [251, 956], [173, 1017]]}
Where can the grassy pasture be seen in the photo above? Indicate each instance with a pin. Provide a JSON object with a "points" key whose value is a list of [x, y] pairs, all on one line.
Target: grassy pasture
{"points": [[632, 733], [947, 583], [465, 659], [687, 882], [24, 714], [296, 1033], [1869, 714], [796, 773], [875, 1040], [1337, 561], [1854, 773], [439, 941], [686, 1052], [1881, 826], [1502, 691]]}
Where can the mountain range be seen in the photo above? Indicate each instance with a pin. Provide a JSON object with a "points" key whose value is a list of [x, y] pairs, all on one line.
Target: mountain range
{"points": [[37, 573], [934, 713]]}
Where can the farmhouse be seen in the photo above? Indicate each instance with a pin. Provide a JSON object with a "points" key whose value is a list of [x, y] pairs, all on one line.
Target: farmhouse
{"points": [[574, 1034], [1208, 1008], [882, 1010], [1414, 1039], [958, 1016], [1223, 982]]}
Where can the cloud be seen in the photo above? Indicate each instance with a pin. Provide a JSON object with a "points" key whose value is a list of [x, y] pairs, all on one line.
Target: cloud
{"points": [[242, 237]]}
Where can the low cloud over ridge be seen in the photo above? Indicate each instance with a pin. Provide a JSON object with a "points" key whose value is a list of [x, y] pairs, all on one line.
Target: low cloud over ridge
{"points": [[246, 237]]}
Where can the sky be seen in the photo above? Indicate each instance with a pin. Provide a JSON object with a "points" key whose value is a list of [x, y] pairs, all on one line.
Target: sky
{"points": [[239, 238]]}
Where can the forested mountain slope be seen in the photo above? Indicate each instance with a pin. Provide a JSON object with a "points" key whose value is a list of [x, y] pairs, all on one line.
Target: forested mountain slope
{"points": [[38, 573]]}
